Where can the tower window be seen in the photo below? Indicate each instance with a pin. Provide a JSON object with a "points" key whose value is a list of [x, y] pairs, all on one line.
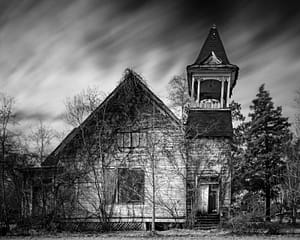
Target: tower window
{"points": [[210, 89]]}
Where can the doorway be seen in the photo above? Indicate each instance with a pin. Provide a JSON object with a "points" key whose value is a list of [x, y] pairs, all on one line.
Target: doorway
{"points": [[208, 198], [212, 199]]}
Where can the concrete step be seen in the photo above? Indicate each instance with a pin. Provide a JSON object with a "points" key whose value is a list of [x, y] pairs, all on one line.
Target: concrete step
{"points": [[205, 222]]}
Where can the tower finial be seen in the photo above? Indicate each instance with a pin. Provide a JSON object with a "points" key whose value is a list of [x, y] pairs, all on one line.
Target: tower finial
{"points": [[214, 26]]}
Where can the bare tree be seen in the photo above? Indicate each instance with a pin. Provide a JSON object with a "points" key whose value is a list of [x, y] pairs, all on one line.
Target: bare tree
{"points": [[178, 93], [101, 156], [297, 115], [6, 118], [82, 104], [41, 138], [291, 186]]}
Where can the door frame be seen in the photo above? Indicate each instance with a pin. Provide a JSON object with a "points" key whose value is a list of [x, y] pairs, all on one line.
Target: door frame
{"points": [[210, 182]]}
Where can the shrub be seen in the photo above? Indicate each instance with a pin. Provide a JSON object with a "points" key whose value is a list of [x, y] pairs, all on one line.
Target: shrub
{"points": [[272, 228], [244, 224]]}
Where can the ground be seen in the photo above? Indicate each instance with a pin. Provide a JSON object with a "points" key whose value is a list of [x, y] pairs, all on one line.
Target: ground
{"points": [[166, 235]]}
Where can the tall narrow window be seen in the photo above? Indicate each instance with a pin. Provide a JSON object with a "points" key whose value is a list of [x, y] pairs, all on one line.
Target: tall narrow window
{"points": [[143, 139], [135, 140], [127, 140]]}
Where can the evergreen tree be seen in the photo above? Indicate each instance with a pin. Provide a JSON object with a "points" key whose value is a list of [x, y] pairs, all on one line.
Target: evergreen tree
{"points": [[237, 146], [266, 136]]}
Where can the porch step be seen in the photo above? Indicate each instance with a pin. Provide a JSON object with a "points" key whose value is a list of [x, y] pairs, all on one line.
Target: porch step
{"points": [[205, 222]]}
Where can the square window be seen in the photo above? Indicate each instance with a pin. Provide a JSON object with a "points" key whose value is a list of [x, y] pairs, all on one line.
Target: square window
{"points": [[130, 185]]}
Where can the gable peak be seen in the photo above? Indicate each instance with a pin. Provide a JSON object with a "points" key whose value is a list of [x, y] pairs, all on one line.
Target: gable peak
{"points": [[131, 75], [212, 59]]}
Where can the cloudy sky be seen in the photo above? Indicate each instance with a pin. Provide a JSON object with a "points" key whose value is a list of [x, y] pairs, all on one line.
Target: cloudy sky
{"points": [[52, 49]]}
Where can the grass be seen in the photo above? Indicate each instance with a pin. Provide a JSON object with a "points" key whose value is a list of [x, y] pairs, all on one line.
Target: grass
{"points": [[166, 235]]}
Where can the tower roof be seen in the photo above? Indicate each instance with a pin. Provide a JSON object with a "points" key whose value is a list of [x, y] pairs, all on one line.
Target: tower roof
{"points": [[212, 45], [213, 58]]}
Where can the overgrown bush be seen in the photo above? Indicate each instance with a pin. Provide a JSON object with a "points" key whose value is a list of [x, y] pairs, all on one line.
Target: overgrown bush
{"points": [[272, 228], [245, 224]]}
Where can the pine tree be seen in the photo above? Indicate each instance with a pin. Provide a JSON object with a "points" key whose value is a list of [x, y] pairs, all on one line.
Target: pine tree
{"points": [[237, 146], [266, 137]]}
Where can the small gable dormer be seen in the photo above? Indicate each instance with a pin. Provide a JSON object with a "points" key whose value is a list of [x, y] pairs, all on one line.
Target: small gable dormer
{"points": [[211, 77]]}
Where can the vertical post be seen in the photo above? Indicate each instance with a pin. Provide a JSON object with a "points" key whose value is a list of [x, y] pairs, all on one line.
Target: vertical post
{"points": [[198, 91], [222, 92], [192, 91], [228, 91], [153, 172]]}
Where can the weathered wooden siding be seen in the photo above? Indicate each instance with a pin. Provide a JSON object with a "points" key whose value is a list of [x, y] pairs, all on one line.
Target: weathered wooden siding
{"points": [[208, 157], [164, 148]]}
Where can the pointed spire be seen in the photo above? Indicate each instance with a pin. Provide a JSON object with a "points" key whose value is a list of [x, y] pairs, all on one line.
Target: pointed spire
{"points": [[213, 43]]}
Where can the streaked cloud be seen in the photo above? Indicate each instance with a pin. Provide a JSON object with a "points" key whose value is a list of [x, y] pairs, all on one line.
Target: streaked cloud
{"points": [[51, 50]]}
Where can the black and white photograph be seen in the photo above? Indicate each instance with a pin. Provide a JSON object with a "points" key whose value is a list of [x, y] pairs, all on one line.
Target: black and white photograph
{"points": [[149, 119]]}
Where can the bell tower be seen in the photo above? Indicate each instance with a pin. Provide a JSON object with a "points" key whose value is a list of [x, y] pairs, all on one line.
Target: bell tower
{"points": [[208, 131], [211, 77]]}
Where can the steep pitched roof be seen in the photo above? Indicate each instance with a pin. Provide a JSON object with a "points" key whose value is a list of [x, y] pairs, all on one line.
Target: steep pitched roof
{"points": [[129, 76], [209, 123], [213, 43]]}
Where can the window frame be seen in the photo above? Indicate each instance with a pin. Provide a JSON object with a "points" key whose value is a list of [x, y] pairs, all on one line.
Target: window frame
{"points": [[140, 195], [139, 141]]}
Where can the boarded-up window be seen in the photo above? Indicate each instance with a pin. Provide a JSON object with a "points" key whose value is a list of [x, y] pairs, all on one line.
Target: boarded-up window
{"points": [[130, 185], [126, 140], [143, 139], [135, 139], [120, 140]]}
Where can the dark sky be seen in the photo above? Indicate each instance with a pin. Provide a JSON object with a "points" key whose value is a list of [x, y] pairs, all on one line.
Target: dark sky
{"points": [[50, 50]]}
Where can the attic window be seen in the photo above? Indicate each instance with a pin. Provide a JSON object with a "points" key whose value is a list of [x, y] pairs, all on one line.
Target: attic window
{"points": [[132, 139]]}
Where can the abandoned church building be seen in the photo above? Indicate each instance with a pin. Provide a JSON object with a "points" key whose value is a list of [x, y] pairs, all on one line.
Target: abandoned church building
{"points": [[132, 160]]}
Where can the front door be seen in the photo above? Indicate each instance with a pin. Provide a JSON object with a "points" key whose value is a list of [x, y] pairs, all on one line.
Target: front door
{"points": [[208, 196], [212, 200], [203, 198]]}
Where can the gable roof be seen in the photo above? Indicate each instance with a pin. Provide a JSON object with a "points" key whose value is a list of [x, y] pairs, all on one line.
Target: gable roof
{"points": [[130, 75], [209, 123], [213, 43]]}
